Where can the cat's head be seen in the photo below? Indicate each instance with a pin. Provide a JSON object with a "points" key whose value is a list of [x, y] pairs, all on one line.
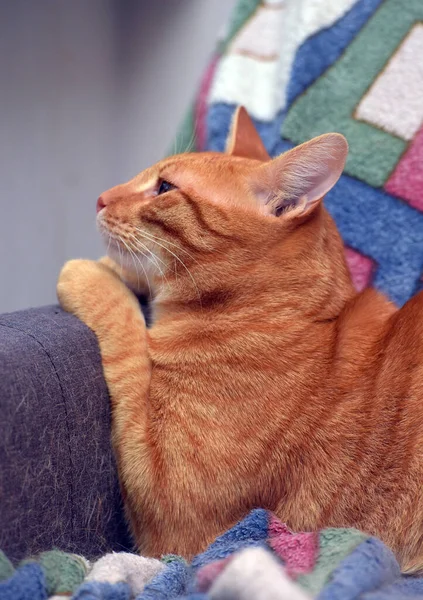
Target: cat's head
{"points": [[230, 209]]}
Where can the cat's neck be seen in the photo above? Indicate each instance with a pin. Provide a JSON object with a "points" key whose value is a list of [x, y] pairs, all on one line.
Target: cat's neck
{"points": [[315, 286]]}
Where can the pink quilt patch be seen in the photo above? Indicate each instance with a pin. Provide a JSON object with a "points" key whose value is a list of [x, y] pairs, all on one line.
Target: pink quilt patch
{"points": [[361, 268], [207, 574], [407, 179], [297, 550]]}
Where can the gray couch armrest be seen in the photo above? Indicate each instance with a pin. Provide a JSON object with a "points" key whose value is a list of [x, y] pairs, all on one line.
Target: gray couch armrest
{"points": [[58, 481]]}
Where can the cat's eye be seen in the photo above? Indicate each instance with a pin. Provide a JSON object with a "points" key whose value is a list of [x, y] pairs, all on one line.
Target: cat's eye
{"points": [[164, 186]]}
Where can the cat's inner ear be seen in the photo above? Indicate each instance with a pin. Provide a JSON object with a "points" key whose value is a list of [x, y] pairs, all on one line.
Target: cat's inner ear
{"points": [[243, 139], [297, 181]]}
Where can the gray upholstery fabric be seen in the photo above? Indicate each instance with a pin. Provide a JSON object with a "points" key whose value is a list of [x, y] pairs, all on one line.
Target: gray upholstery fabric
{"points": [[58, 482]]}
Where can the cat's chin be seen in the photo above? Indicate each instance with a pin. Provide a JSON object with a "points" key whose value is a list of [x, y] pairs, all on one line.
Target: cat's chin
{"points": [[123, 259], [137, 272]]}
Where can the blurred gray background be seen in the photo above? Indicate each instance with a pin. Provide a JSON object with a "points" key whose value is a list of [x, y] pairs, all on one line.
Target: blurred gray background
{"points": [[91, 92]]}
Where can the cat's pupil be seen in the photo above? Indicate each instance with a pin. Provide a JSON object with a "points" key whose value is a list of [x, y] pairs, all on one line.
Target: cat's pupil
{"points": [[164, 187]]}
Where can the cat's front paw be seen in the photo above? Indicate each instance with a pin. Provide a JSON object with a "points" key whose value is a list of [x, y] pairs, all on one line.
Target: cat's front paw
{"points": [[83, 285], [111, 264]]}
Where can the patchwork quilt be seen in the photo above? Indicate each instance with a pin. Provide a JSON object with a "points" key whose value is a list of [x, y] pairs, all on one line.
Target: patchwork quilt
{"points": [[306, 67], [258, 559]]}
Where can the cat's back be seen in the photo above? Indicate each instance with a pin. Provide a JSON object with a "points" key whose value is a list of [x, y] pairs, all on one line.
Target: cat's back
{"points": [[380, 349]]}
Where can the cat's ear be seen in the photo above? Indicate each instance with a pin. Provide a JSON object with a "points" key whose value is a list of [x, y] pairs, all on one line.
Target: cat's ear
{"points": [[295, 182], [243, 139]]}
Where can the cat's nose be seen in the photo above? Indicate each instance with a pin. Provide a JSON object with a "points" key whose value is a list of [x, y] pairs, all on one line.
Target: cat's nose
{"points": [[100, 203]]}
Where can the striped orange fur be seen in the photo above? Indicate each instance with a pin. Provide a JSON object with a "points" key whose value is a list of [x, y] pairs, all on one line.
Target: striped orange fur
{"points": [[265, 380]]}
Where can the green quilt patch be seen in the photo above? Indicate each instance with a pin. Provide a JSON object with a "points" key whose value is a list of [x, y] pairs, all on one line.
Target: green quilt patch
{"points": [[329, 103], [335, 545]]}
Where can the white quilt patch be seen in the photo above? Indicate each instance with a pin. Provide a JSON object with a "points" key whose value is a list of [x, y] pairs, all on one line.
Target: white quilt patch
{"points": [[259, 59]]}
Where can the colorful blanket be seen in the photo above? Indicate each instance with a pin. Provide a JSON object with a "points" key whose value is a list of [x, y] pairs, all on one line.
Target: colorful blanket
{"points": [[258, 559], [306, 67]]}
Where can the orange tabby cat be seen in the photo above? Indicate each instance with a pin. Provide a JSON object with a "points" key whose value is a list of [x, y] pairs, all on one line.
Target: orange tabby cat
{"points": [[265, 380]]}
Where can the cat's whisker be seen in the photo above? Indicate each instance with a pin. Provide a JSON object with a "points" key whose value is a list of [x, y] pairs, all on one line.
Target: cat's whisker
{"points": [[138, 245], [133, 255], [154, 237], [176, 144], [104, 231], [120, 260], [190, 146], [133, 260], [108, 245], [180, 261], [154, 258], [119, 242], [137, 242]]}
